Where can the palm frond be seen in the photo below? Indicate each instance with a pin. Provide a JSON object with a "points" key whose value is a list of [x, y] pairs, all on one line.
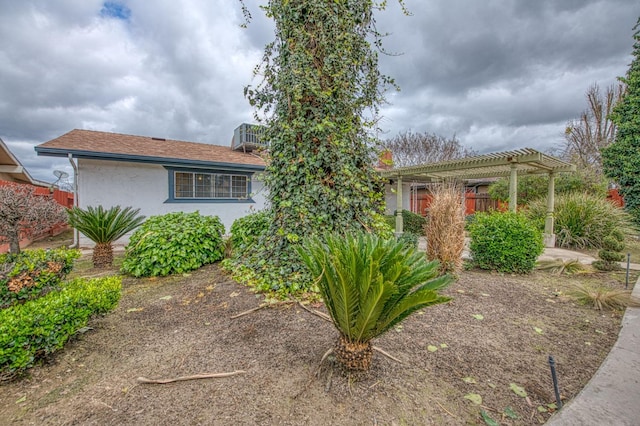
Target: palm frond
{"points": [[370, 284], [104, 226]]}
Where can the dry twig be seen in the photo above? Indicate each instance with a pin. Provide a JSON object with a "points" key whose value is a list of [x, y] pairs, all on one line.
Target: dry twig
{"points": [[318, 313], [241, 314], [388, 355], [183, 378]]}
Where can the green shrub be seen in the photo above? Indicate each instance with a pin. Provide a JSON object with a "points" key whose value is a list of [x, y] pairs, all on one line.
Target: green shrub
{"points": [[246, 231], [581, 220], [409, 239], [37, 328], [506, 242], [173, 244], [411, 222], [610, 254], [31, 273], [381, 227]]}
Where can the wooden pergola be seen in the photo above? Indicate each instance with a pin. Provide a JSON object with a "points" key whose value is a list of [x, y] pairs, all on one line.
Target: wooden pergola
{"points": [[521, 162]]}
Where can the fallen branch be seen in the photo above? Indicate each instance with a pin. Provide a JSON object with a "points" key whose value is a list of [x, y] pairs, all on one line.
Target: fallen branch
{"points": [[262, 305], [183, 378], [388, 355], [447, 411], [241, 314], [318, 313]]}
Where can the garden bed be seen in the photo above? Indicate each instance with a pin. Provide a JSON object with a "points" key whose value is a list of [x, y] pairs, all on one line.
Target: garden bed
{"points": [[499, 330]]}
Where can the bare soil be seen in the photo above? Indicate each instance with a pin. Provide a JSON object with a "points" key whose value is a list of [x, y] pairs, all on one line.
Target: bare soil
{"points": [[499, 330]]}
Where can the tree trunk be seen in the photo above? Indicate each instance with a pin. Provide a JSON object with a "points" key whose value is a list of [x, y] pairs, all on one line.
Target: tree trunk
{"points": [[102, 255], [355, 356], [13, 235]]}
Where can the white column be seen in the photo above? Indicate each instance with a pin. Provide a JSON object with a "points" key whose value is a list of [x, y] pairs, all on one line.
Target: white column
{"points": [[399, 223], [513, 188], [549, 236]]}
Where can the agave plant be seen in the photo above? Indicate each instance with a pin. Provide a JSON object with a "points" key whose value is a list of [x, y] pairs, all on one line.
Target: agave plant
{"points": [[369, 285], [103, 227]]}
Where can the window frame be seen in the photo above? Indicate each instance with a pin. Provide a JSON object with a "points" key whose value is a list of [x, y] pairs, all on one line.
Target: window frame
{"points": [[214, 175]]}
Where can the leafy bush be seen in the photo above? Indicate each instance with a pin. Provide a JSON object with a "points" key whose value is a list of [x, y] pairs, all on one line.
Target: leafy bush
{"points": [[37, 328], [173, 244], [411, 222], [581, 220], [31, 273], [409, 239], [368, 285], [246, 231], [380, 226], [506, 242]]}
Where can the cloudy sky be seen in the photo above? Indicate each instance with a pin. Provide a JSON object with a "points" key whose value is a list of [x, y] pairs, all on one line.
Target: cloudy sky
{"points": [[499, 74]]}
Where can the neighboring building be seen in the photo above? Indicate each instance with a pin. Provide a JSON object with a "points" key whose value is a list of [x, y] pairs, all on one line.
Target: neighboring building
{"points": [[159, 175], [12, 171]]}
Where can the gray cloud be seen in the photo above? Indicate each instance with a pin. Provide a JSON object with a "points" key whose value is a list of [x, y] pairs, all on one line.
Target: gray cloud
{"points": [[498, 74]]}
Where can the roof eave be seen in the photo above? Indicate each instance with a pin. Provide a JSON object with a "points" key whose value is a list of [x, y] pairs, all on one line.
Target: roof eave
{"points": [[163, 161]]}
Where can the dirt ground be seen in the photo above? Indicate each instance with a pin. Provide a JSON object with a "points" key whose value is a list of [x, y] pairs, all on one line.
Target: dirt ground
{"points": [[495, 336]]}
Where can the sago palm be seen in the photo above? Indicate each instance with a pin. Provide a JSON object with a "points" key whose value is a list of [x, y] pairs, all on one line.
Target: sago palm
{"points": [[369, 285], [103, 227]]}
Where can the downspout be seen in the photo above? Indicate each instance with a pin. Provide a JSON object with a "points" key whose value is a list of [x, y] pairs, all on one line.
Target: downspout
{"points": [[76, 236]]}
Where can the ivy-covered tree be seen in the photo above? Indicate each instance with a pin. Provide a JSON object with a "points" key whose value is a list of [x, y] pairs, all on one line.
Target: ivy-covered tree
{"points": [[319, 99], [621, 159]]}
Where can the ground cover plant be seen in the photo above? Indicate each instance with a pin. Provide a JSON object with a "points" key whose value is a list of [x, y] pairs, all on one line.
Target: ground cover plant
{"points": [[174, 243], [32, 273], [492, 340]]}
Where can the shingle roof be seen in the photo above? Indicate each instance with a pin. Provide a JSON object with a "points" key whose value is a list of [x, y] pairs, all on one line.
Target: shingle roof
{"points": [[116, 146]]}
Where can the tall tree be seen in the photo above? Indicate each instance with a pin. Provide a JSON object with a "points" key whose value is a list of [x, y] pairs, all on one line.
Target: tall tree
{"points": [[621, 159], [319, 98], [588, 135], [25, 213], [409, 149]]}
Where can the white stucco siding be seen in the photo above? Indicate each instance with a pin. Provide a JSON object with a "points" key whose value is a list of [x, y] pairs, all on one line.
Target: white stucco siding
{"points": [[144, 186], [391, 198]]}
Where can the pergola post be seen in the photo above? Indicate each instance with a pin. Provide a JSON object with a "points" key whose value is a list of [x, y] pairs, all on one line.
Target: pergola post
{"points": [[549, 236], [513, 188], [399, 222]]}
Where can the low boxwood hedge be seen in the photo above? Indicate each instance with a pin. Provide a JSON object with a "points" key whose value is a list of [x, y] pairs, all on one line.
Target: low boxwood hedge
{"points": [[37, 328]]}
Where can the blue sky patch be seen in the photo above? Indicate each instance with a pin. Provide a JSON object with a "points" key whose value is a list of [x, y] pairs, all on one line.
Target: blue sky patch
{"points": [[112, 9]]}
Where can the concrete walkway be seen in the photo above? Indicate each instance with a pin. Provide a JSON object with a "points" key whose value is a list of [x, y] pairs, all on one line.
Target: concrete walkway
{"points": [[612, 396]]}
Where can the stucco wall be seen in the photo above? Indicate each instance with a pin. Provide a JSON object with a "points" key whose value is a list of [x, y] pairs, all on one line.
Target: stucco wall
{"points": [[144, 186], [391, 199]]}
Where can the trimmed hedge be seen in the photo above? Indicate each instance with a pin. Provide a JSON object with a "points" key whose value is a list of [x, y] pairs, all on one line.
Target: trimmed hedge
{"points": [[505, 242], [37, 328], [411, 222], [31, 273], [174, 243]]}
